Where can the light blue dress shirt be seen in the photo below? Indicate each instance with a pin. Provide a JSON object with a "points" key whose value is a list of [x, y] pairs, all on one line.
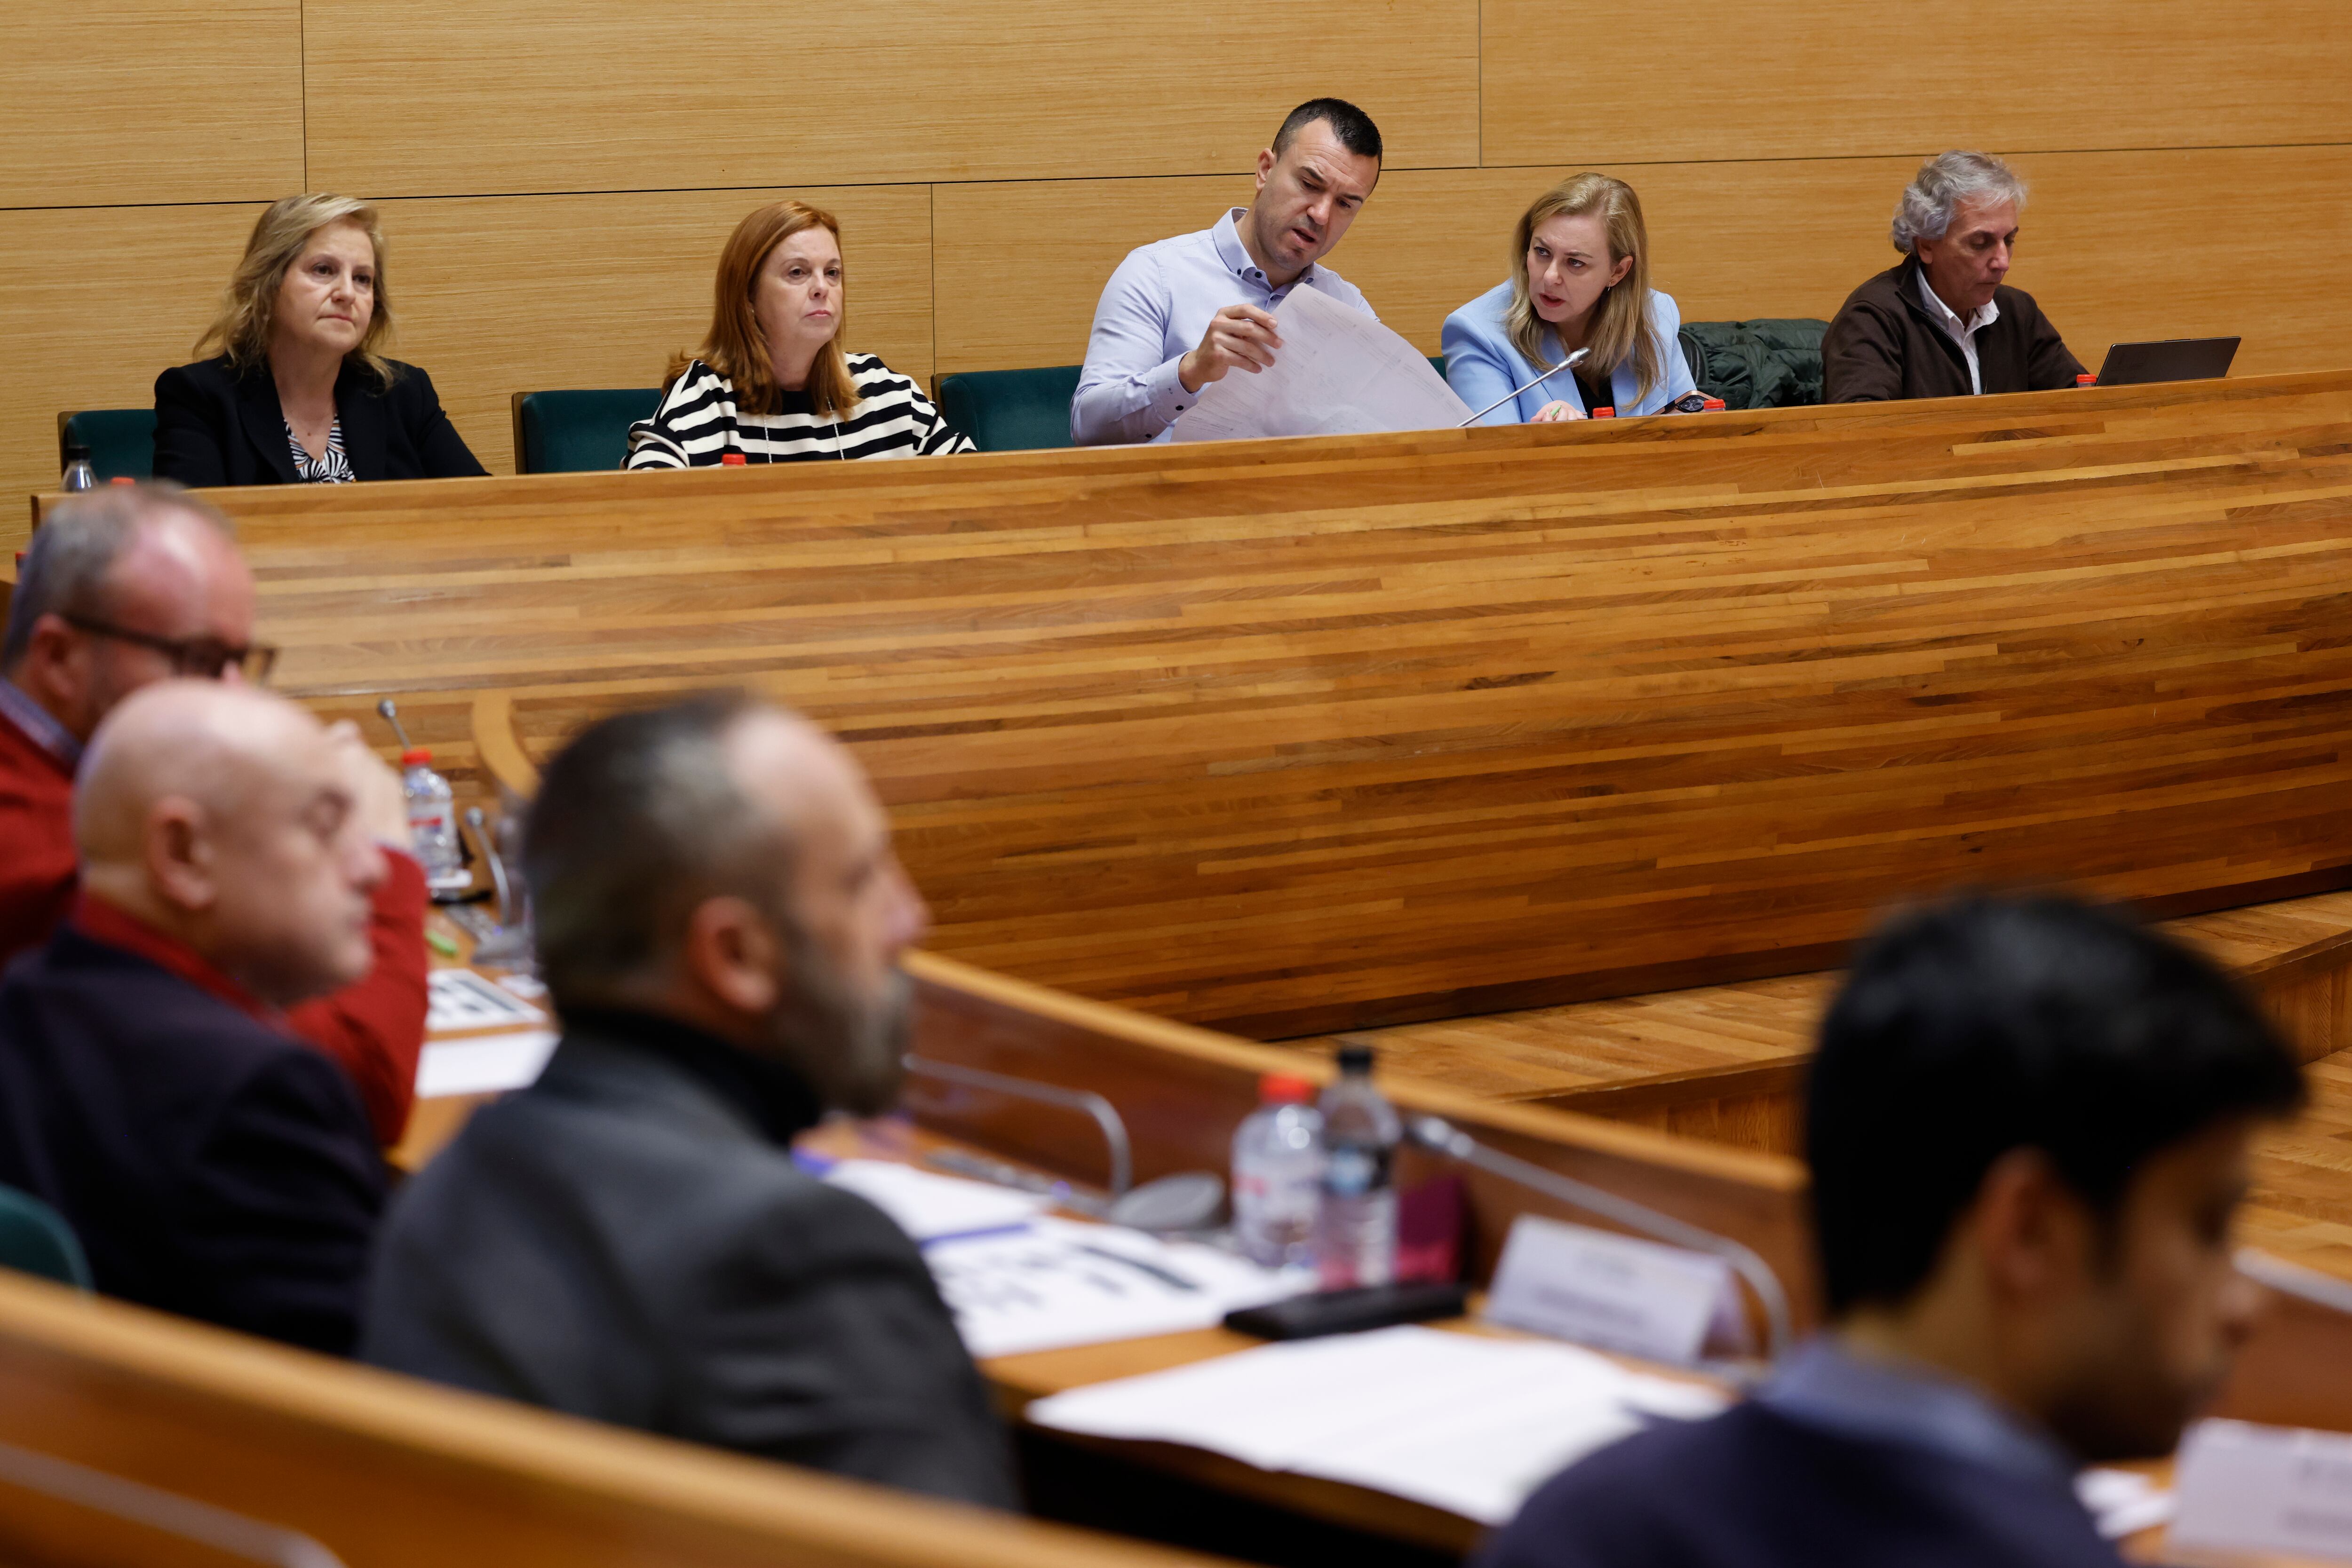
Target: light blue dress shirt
{"points": [[1825, 1385], [1482, 364], [1153, 312]]}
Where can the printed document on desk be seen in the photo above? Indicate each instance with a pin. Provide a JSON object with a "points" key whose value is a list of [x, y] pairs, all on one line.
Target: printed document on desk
{"points": [[1460, 1422], [1339, 373], [1056, 1282]]}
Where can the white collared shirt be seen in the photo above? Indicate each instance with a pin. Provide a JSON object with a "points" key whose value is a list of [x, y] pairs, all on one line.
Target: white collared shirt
{"points": [[1964, 333], [1153, 312]]}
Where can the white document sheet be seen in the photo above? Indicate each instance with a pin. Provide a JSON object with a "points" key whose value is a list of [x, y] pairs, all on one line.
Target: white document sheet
{"points": [[1339, 373], [461, 999], [933, 1208], [1060, 1283], [483, 1063], [1463, 1423]]}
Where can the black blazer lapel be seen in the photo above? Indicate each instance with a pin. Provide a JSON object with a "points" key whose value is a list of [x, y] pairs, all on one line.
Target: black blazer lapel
{"points": [[364, 409], [264, 421]]}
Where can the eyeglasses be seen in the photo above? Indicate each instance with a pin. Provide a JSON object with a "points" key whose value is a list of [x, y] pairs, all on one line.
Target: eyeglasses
{"points": [[208, 658]]}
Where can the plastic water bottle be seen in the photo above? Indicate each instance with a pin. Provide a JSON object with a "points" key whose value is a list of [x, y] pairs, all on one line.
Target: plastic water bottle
{"points": [[432, 816], [1356, 1223], [78, 474], [1278, 1173]]}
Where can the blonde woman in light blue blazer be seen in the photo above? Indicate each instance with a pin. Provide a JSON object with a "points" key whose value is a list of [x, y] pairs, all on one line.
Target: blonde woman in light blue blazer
{"points": [[1580, 279]]}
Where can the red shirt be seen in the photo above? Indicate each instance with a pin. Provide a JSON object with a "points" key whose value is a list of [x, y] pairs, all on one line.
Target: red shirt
{"points": [[101, 921], [375, 1028]]}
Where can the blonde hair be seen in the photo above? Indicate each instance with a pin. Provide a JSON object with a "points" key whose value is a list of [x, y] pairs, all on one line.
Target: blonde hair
{"points": [[249, 304], [735, 345], [1621, 320]]}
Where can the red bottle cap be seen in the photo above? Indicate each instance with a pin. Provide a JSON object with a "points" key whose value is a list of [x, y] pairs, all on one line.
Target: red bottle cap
{"points": [[1282, 1089], [1604, 411], [413, 756], [122, 479], [2086, 380], [1714, 402], [731, 460]]}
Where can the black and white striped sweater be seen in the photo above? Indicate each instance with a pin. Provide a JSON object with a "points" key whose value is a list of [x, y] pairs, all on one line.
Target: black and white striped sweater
{"points": [[697, 423]]}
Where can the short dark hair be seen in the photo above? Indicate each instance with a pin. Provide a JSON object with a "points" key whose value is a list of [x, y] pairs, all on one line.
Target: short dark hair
{"points": [[77, 545], [637, 821], [1989, 1025], [1351, 125]]}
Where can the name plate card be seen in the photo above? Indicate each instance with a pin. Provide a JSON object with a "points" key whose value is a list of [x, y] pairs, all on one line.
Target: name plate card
{"points": [[1598, 1288], [2244, 1487]]}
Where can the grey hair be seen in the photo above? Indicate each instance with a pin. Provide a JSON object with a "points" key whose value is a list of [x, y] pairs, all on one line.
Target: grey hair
{"points": [[75, 548], [1943, 183], [639, 820]]}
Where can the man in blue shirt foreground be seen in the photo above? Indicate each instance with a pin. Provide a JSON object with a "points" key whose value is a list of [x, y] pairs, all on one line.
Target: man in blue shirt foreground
{"points": [[2029, 1127], [1180, 313]]}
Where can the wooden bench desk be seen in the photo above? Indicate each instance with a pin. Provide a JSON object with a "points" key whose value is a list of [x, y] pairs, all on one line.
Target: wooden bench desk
{"points": [[389, 1472], [1292, 737]]}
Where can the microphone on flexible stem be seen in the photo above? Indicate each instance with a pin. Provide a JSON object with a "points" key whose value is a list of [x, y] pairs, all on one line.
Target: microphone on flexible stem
{"points": [[1442, 1137], [391, 718], [1575, 359]]}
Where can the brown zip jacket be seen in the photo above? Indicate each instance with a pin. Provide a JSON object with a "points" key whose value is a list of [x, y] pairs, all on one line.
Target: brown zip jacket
{"points": [[1883, 345]]}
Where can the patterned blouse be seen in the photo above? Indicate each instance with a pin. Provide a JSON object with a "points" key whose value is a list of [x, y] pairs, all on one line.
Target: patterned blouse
{"points": [[331, 468]]}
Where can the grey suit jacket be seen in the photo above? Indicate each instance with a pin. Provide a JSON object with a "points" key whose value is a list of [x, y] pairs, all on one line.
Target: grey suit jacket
{"points": [[629, 1239]]}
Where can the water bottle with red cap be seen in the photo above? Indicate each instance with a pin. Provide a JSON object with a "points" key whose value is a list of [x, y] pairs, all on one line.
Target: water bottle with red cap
{"points": [[1278, 1173], [432, 815]]}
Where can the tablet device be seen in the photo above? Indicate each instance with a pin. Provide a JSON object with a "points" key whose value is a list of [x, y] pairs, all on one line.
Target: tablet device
{"points": [[2174, 359]]}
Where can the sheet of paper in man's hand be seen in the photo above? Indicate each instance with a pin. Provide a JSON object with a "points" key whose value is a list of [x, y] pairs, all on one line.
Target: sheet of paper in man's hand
{"points": [[1339, 373]]}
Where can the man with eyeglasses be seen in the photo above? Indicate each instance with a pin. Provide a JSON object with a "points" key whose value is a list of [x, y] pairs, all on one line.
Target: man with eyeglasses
{"points": [[134, 584]]}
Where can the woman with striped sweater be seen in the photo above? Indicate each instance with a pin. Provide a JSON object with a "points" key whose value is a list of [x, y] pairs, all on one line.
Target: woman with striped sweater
{"points": [[770, 382]]}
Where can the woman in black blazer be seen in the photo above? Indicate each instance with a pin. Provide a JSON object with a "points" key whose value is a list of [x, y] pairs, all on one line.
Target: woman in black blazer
{"points": [[298, 393]]}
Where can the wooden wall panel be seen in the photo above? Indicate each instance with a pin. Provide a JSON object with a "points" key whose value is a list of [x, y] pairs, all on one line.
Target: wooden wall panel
{"points": [[94, 303], [2264, 260], [1769, 237], [515, 294], [150, 100], [1006, 299], [548, 95], [1825, 79]]}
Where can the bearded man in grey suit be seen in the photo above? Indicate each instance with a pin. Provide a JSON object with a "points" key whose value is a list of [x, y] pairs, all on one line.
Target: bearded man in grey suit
{"points": [[719, 918]]}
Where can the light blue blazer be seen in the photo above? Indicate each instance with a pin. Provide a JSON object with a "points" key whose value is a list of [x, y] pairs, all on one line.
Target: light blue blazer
{"points": [[1481, 365]]}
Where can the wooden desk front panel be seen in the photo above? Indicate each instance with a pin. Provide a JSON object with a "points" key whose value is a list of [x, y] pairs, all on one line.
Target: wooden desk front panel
{"points": [[1316, 734]]}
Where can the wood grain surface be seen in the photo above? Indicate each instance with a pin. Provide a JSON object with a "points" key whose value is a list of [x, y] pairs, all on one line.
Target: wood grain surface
{"points": [[1429, 241], [149, 102], [1326, 734], [600, 290], [387, 1471], [1854, 78], [94, 305], [1726, 1063], [539, 95], [1182, 1090]]}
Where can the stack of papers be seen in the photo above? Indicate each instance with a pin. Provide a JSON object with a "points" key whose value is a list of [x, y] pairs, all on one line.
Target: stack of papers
{"points": [[470, 1006], [1056, 1282], [458, 999], [483, 1063], [933, 1208], [1462, 1423], [1339, 373]]}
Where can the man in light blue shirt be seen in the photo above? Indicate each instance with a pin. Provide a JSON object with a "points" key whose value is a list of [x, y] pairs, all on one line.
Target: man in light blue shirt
{"points": [[1180, 313]]}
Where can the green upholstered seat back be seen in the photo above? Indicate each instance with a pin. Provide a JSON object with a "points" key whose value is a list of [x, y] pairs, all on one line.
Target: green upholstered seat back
{"points": [[121, 441], [1774, 362], [1012, 411], [36, 1240], [575, 431]]}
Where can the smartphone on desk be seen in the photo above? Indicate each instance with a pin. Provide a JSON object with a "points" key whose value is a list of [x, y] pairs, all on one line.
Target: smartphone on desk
{"points": [[1352, 1310]]}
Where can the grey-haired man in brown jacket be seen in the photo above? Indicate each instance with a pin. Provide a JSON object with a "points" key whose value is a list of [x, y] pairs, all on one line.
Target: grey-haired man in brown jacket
{"points": [[1941, 323]]}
